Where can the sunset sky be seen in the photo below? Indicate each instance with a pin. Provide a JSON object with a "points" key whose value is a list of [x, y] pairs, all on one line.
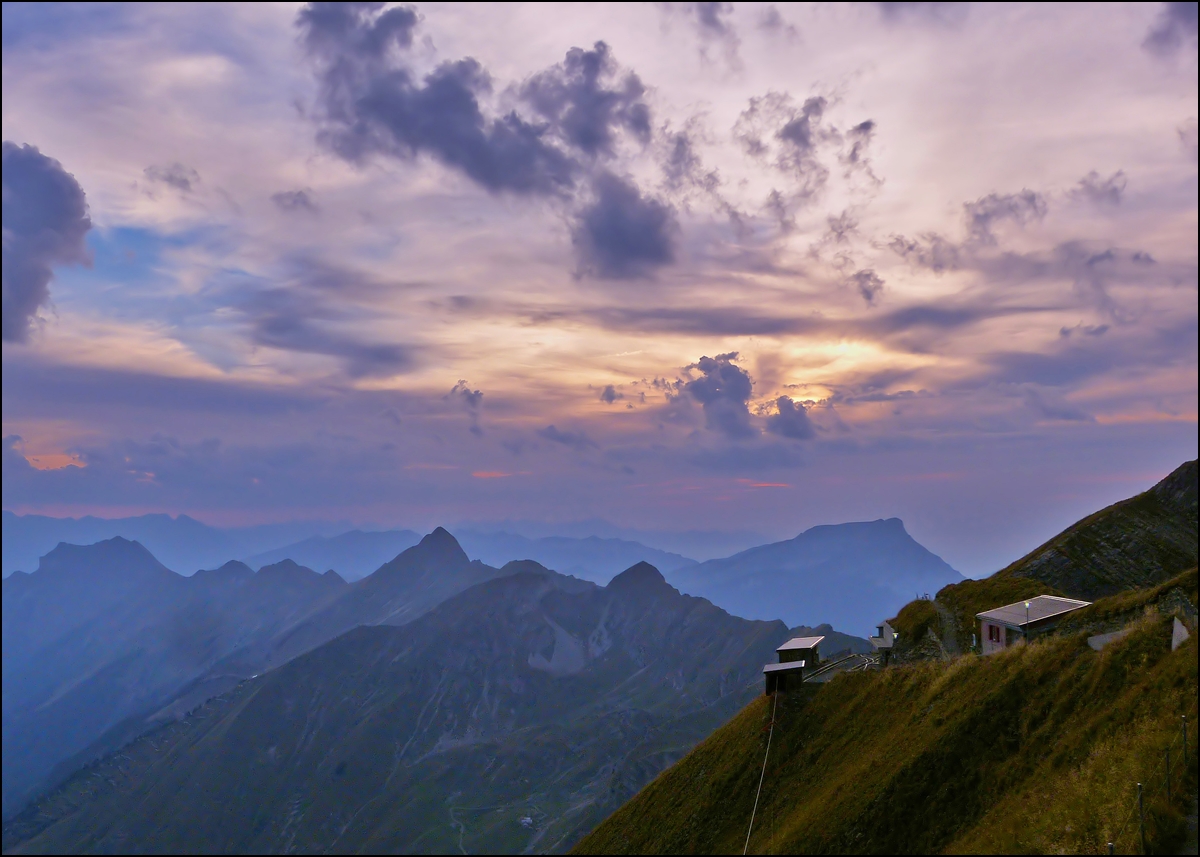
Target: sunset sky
{"points": [[673, 266]]}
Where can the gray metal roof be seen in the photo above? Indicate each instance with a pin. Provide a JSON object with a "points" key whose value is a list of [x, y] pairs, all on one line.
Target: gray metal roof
{"points": [[1040, 607], [800, 643], [783, 668]]}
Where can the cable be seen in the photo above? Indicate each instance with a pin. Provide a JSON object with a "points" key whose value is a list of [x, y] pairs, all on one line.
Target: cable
{"points": [[764, 773]]}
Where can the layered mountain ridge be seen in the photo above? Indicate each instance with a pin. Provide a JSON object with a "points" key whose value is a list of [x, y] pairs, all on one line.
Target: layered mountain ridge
{"points": [[512, 716]]}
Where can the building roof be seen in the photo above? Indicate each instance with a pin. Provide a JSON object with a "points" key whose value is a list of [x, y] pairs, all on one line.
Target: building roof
{"points": [[1041, 607], [783, 668], [800, 643]]}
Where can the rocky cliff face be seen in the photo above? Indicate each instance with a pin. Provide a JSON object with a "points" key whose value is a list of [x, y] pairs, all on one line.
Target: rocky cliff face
{"points": [[1138, 542], [512, 717]]}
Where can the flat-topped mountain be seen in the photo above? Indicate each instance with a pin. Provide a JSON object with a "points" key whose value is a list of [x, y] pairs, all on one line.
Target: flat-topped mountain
{"points": [[848, 575], [511, 717]]}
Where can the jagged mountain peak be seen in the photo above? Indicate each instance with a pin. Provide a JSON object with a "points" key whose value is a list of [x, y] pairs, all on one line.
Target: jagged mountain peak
{"points": [[640, 576], [438, 547]]}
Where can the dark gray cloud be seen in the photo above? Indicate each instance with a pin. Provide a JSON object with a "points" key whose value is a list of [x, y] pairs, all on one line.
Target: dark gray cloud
{"points": [[774, 130], [609, 394], [373, 105], [1174, 28], [622, 234], [587, 101], [859, 137], [792, 420], [182, 178], [682, 166], [294, 200], [472, 401], [45, 220], [986, 211], [929, 250], [713, 22], [1098, 191], [290, 332], [302, 317], [577, 440], [723, 391], [868, 283]]}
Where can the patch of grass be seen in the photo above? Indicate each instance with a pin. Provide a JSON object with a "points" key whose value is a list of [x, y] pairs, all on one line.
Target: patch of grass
{"points": [[1032, 750], [1128, 603]]}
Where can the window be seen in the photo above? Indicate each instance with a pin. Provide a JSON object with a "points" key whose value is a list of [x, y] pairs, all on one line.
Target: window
{"points": [[993, 634]]}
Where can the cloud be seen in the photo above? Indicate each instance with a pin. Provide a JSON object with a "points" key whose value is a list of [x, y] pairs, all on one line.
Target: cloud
{"points": [[723, 392], [294, 200], [1055, 410], [938, 13], [586, 112], [609, 394], [1100, 192], [713, 24], [930, 250], [1188, 137], [472, 401], [860, 137], [1174, 28], [45, 218], [772, 129], [182, 178], [791, 420], [622, 234], [372, 105], [772, 22], [576, 440], [868, 283], [986, 211]]}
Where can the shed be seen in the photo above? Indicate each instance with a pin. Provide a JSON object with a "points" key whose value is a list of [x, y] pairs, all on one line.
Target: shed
{"points": [[795, 656], [883, 640], [1014, 623]]}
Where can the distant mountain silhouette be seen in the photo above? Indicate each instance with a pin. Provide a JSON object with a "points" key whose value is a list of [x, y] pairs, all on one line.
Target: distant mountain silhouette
{"points": [[353, 555], [511, 717], [849, 575], [181, 543], [590, 558], [104, 633]]}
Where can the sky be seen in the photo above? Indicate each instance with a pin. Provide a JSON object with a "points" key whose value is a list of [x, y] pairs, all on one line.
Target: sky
{"points": [[671, 266]]}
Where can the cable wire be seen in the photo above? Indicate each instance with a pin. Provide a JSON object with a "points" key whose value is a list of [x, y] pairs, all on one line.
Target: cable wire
{"points": [[763, 775]]}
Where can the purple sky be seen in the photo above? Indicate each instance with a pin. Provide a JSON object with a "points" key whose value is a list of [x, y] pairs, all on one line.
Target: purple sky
{"points": [[676, 266]]}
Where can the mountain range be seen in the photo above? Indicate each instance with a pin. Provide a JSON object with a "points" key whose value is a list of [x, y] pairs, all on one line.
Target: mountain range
{"points": [[513, 716], [356, 554]]}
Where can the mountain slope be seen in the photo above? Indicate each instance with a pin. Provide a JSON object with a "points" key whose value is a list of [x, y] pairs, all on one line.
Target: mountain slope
{"points": [[105, 634], [511, 717], [1136, 542], [1005, 754], [849, 575]]}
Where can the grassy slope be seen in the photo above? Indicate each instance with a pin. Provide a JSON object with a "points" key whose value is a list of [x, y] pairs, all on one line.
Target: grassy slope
{"points": [[1036, 749]]}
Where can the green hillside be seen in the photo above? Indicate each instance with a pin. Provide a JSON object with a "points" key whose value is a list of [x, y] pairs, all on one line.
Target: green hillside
{"points": [[1033, 750]]}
